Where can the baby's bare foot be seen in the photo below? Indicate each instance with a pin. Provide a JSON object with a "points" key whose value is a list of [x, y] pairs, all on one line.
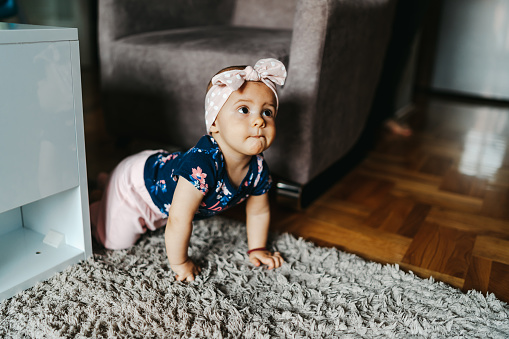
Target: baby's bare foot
{"points": [[398, 128]]}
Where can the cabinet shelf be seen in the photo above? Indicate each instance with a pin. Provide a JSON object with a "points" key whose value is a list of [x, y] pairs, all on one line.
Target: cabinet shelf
{"points": [[26, 259]]}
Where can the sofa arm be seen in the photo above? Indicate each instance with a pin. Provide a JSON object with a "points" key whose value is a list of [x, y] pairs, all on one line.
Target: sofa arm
{"points": [[120, 18], [337, 52]]}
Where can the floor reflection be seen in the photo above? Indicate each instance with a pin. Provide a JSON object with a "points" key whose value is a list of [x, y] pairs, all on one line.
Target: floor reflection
{"points": [[485, 144]]}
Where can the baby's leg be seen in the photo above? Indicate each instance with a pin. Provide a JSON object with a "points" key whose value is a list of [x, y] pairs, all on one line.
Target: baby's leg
{"points": [[126, 210], [115, 224]]}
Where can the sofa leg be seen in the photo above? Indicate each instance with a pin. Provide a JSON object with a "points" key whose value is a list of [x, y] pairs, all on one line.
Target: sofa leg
{"points": [[289, 194]]}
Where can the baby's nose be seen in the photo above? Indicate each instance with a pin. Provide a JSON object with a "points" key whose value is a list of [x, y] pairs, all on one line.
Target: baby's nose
{"points": [[258, 121]]}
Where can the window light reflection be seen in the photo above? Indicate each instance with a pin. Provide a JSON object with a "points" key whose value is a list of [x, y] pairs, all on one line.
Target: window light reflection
{"points": [[484, 147]]}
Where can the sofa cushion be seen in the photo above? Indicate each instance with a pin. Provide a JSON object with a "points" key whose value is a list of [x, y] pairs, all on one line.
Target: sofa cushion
{"points": [[159, 70]]}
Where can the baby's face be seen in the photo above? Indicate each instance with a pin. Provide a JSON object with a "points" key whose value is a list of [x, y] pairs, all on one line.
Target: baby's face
{"points": [[246, 122]]}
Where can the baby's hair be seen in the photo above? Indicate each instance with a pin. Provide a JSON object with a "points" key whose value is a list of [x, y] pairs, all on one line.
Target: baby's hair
{"points": [[230, 68]]}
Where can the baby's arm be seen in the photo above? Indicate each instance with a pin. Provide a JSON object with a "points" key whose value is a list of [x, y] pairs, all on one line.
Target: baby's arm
{"points": [[186, 200], [258, 221]]}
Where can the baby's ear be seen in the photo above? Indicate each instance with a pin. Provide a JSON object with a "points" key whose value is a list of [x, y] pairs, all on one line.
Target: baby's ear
{"points": [[213, 128]]}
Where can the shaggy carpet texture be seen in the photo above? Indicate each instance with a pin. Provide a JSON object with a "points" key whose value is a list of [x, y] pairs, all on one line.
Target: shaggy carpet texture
{"points": [[318, 293]]}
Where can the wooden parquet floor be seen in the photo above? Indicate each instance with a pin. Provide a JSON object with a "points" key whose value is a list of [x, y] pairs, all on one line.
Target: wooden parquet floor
{"points": [[436, 203]]}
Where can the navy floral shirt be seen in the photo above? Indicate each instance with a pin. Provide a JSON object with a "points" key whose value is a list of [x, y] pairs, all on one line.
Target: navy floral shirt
{"points": [[204, 167]]}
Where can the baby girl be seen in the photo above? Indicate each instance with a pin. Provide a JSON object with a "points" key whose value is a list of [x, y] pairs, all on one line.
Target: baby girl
{"points": [[155, 188]]}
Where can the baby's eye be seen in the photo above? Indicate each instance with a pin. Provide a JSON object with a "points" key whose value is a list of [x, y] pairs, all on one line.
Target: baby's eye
{"points": [[243, 110], [268, 113]]}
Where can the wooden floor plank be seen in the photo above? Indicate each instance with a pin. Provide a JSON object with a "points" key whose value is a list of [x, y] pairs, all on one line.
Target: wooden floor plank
{"points": [[459, 183], [430, 144], [478, 275], [414, 220], [499, 279], [496, 203], [434, 197], [402, 169], [428, 191], [391, 215], [469, 222], [437, 165], [343, 206], [370, 193], [402, 178], [441, 249], [492, 248], [369, 243], [331, 216]]}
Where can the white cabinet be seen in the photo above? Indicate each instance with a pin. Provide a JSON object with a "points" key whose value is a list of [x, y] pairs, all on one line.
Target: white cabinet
{"points": [[44, 218]]}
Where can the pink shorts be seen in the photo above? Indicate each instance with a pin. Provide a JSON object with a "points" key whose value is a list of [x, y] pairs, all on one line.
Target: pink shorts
{"points": [[126, 210]]}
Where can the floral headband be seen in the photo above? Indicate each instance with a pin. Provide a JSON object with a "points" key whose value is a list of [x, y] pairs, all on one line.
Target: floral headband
{"points": [[271, 72]]}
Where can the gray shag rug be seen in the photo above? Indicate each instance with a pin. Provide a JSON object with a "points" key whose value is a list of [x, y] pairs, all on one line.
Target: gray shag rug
{"points": [[318, 293]]}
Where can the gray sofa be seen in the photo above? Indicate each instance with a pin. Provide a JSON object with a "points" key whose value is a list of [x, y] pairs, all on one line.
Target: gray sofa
{"points": [[157, 56]]}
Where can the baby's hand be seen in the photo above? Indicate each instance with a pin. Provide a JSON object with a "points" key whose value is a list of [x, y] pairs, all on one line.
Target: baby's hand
{"points": [[272, 260], [186, 271]]}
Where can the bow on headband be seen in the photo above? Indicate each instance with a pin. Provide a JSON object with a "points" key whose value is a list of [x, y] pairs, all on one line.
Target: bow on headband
{"points": [[271, 72]]}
